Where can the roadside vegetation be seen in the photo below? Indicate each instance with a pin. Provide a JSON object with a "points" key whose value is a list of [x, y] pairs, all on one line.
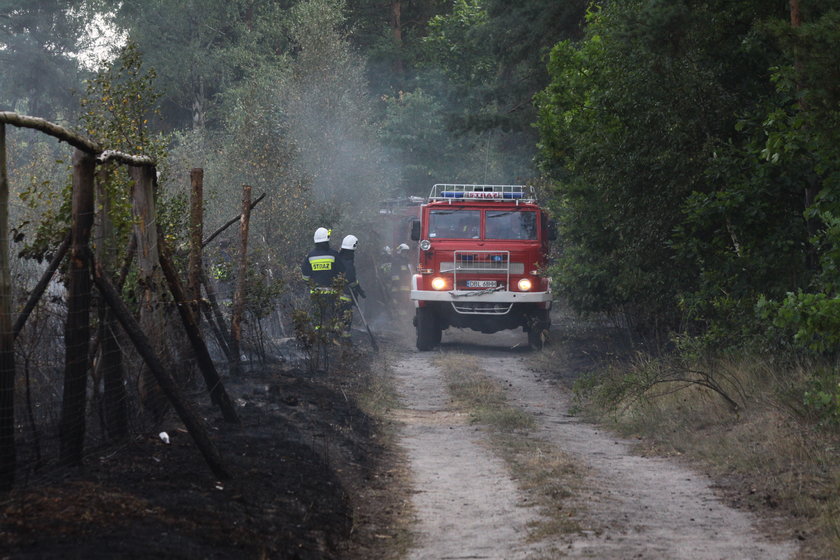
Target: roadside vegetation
{"points": [[758, 427], [547, 474], [693, 147]]}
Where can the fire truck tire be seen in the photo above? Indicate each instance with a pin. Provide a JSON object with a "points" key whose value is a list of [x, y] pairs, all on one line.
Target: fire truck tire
{"points": [[538, 331], [535, 338], [428, 329]]}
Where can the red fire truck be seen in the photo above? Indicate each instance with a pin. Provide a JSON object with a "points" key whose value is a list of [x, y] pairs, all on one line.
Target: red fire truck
{"points": [[482, 254]]}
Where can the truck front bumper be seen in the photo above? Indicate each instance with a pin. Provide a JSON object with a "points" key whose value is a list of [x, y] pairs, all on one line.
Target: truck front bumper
{"points": [[481, 296]]}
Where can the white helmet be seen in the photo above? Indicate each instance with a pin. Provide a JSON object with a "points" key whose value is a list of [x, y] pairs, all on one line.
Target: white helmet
{"points": [[402, 247], [350, 242], [321, 235]]}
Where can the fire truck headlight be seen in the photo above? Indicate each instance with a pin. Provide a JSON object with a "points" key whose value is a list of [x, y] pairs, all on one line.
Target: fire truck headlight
{"points": [[524, 285], [425, 245], [438, 283]]}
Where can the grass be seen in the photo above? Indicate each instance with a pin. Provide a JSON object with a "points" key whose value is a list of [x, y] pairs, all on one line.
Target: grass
{"points": [[544, 472], [744, 421], [386, 503]]}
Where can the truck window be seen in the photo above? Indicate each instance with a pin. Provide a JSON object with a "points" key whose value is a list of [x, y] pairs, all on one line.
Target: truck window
{"points": [[454, 224], [511, 225]]}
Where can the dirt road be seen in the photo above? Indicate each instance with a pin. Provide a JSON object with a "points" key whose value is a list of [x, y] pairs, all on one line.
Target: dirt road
{"points": [[468, 505]]}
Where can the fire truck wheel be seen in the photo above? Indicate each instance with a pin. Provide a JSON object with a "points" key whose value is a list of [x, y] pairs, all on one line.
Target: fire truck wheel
{"points": [[428, 330], [538, 330], [535, 338]]}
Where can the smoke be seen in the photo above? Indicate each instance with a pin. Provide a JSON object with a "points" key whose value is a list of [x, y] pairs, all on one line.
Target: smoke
{"points": [[326, 107]]}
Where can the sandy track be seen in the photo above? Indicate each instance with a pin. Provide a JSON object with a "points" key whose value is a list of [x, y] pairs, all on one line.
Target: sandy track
{"points": [[468, 506]]}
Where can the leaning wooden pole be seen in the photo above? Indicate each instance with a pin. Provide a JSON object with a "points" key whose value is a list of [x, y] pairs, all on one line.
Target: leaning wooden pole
{"points": [[186, 310], [196, 233], [7, 337], [241, 281], [230, 222], [188, 416], [77, 331], [41, 286], [214, 315]]}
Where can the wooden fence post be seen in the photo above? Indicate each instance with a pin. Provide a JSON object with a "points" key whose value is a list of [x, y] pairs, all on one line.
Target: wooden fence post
{"points": [[241, 281], [150, 280], [7, 337], [110, 366], [77, 331]]}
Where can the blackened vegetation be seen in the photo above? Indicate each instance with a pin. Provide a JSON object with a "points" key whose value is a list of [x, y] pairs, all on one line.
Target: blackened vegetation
{"points": [[300, 456]]}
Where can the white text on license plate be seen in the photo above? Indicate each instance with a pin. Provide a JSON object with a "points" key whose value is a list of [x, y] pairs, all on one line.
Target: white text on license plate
{"points": [[481, 283]]}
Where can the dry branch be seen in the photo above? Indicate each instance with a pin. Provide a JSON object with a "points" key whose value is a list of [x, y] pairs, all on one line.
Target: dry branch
{"points": [[230, 222], [74, 139]]}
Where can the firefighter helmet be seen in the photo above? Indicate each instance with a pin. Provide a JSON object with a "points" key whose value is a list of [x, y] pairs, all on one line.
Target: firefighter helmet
{"points": [[402, 247], [321, 235], [350, 242]]}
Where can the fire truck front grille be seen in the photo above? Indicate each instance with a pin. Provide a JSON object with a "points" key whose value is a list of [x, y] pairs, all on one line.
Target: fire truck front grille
{"points": [[482, 308], [515, 268], [482, 261]]}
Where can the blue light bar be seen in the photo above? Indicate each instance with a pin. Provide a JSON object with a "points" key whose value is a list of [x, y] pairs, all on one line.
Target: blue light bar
{"points": [[451, 194]]}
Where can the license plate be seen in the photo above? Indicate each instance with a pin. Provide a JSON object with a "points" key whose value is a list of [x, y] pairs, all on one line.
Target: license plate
{"points": [[481, 283]]}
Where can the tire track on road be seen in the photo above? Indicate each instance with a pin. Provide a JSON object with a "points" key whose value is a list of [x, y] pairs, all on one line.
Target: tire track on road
{"points": [[466, 503]]}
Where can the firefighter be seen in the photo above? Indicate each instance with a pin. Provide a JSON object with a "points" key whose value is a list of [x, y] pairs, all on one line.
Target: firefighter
{"points": [[347, 256], [320, 268]]}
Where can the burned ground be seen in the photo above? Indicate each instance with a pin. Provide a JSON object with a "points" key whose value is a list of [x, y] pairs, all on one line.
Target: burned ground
{"points": [[302, 457]]}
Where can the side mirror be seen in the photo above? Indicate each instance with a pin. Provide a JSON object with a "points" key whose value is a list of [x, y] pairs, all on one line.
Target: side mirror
{"points": [[551, 230], [415, 230]]}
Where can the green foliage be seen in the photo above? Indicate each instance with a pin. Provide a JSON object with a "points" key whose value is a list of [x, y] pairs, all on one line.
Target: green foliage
{"points": [[38, 72], [453, 44], [118, 101], [202, 49], [822, 397], [664, 215], [414, 128], [812, 318]]}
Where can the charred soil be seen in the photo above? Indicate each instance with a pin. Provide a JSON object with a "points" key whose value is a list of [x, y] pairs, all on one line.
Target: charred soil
{"points": [[307, 468]]}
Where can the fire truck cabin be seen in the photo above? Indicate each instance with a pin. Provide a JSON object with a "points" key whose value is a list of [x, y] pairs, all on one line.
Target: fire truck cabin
{"points": [[482, 254]]}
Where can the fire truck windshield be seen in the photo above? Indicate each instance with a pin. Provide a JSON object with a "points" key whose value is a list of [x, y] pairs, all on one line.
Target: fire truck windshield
{"points": [[455, 224], [511, 225]]}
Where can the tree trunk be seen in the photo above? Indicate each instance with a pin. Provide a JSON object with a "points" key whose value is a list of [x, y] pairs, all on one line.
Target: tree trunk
{"points": [[813, 188], [241, 281], [7, 338], [77, 332], [396, 34]]}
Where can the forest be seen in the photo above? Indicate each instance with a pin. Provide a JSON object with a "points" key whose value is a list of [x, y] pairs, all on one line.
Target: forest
{"points": [[687, 149]]}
